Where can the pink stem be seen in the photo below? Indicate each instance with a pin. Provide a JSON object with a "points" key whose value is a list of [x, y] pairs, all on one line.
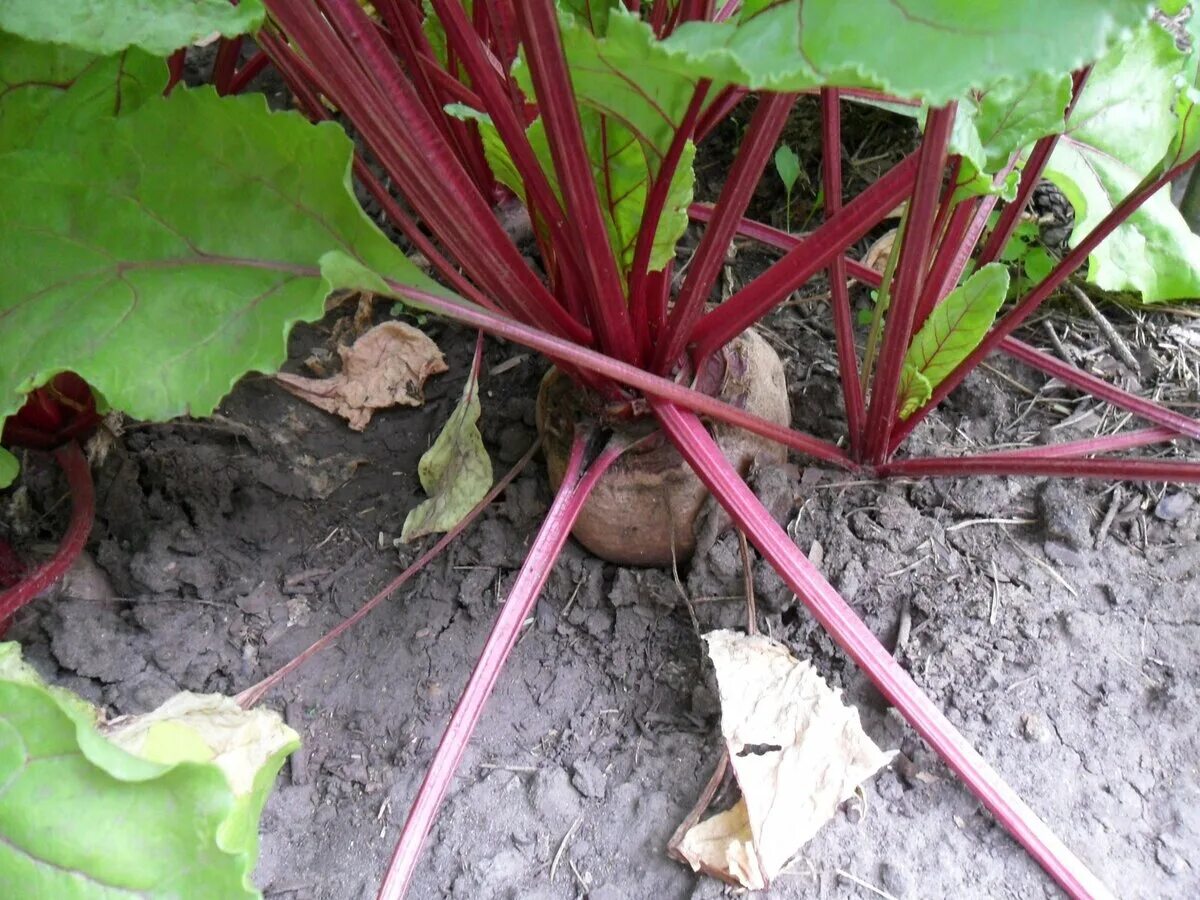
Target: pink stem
{"points": [[74, 464], [781, 240], [718, 111], [765, 127], [1171, 470], [1111, 443], [817, 251], [839, 292], [623, 373], [1098, 387], [1029, 303], [609, 312], [909, 280], [253, 694], [836, 617], [577, 485]]}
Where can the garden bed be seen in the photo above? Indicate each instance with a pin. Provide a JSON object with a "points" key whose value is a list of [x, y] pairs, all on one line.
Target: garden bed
{"points": [[229, 545]]}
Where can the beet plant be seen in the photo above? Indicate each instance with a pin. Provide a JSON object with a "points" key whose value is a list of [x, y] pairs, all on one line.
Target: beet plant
{"points": [[160, 247]]}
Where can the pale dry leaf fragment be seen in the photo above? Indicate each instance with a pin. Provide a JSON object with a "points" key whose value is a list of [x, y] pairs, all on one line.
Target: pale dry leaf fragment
{"points": [[796, 749], [725, 845], [207, 728], [877, 254], [387, 366], [455, 471]]}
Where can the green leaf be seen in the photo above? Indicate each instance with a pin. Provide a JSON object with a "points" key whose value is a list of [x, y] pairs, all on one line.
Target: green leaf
{"points": [[163, 254], [495, 151], [1187, 106], [80, 817], [1121, 129], [106, 26], [1001, 119], [630, 112], [622, 173], [952, 331], [49, 92], [455, 472], [591, 13], [915, 390], [787, 164], [9, 467], [932, 50]]}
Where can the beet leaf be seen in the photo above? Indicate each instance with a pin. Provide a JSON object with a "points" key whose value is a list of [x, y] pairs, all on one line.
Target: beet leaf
{"points": [[106, 26]]}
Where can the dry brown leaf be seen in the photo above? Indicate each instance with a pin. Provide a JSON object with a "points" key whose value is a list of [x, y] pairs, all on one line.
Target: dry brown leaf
{"points": [[797, 750], [385, 367], [877, 254]]}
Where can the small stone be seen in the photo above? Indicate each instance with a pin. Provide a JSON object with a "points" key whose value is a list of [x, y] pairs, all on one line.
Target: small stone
{"points": [[894, 880], [1173, 507], [589, 779], [1035, 729]]}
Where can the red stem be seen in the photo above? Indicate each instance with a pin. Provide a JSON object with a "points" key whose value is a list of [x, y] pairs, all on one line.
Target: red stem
{"points": [[816, 252], [1098, 387], [1028, 304], [657, 198], [718, 111], [253, 694], [407, 143], [551, 77], [837, 618], [175, 66], [623, 373], [782, 240], [225, 63], [248, 72], [577, 485], [74, 464], [498, 104], [909, 280], [748, 165], [1030, 175], [1182, 471], [839, 291]]}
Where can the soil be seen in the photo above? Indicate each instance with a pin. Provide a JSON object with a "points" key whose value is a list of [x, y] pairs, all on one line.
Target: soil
{"points": [[1064, 648]]}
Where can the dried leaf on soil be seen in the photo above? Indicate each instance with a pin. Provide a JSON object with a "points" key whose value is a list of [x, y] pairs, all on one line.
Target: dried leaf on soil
{"points": [[387, 366], [455, 472], [797, 751]]}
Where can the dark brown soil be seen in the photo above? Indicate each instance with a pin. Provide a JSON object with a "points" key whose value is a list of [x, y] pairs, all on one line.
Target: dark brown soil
{"points": [[230, 544]]}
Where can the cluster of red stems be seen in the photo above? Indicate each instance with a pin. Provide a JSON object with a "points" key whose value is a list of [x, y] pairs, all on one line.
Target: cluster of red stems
{"points": [[630, 340]]}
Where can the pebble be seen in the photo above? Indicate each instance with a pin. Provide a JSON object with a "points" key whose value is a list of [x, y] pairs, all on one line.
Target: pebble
{"points": [[1174, 506], [1035, 729], [894, 880]]}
